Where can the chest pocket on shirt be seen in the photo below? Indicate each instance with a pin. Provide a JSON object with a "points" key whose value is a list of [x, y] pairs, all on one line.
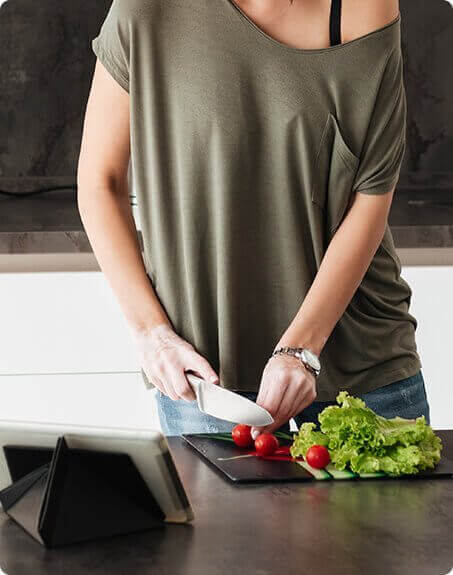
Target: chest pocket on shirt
{"points": [[334, 172]]}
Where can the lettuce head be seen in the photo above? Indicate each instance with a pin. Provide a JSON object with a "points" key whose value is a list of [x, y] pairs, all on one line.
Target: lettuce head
{"points": [[364, 442]]}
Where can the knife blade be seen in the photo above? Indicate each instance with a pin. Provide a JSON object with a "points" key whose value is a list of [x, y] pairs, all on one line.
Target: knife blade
{"points": [[225, 404]]}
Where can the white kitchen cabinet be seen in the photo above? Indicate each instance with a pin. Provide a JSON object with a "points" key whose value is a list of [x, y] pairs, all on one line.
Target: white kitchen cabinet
{"points": [[66, 353], [55, 324], [62, 322], [112, 400], [432, 305]]}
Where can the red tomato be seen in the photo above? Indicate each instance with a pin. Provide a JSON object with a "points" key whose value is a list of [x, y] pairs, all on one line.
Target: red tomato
{"points": [[317, 456], [266, 443], [242, 436]]}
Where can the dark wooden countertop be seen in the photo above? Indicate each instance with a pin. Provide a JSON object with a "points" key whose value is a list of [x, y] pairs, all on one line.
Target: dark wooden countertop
{"points": [[373, 527], [50, 223]]}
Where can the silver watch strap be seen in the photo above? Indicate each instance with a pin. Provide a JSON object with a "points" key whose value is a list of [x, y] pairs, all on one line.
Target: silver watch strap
{"points": [[295, 352]]}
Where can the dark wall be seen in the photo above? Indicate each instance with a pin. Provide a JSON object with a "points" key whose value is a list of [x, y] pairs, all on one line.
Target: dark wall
{"points": [[427, 43], [46, 65]]}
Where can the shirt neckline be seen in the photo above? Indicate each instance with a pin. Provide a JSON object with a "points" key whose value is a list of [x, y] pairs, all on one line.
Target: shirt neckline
{"points": [[355, 41]]}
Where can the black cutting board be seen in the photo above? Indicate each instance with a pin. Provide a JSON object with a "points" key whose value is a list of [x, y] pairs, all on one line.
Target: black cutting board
{"points": [[248, 470], [255, 469]]}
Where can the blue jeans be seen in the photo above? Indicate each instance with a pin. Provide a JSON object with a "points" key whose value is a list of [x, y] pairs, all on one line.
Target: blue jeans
{"points": [[404, 398]]}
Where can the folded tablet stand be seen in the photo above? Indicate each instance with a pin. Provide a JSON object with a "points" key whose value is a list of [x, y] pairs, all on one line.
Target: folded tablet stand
{"points": [[64, 495]]}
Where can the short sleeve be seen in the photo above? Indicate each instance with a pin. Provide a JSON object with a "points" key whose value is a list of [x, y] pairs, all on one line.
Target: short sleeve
{"points": [[385, 143], [111, 46]]}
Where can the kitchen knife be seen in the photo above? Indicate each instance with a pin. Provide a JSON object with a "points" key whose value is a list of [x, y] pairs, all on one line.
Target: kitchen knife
{"points": [[225, 404]]}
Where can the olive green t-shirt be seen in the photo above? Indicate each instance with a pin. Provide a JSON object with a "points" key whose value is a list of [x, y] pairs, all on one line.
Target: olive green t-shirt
{"points": [[245, 153]]}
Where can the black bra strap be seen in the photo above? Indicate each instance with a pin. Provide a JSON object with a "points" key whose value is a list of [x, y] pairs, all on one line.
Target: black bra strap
{"points": [[335, 22]]}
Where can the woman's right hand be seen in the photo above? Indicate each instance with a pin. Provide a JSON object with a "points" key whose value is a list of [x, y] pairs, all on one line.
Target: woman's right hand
{"points": [[165, 358]]}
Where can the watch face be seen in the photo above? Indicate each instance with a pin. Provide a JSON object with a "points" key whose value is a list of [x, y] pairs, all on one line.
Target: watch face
{"points": [[311, 358]]}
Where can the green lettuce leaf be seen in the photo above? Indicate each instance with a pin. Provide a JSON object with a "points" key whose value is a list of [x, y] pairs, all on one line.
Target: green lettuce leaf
{"points": [[306, 438], [364, 442]]}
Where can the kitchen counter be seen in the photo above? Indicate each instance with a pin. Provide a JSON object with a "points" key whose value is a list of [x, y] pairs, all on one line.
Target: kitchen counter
{"points": [[46, 223], [44, 233], [50, 222], [343, 527]]}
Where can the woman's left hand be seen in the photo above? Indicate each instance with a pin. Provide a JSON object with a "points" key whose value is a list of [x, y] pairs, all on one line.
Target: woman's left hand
{"points": [[287, 387]]}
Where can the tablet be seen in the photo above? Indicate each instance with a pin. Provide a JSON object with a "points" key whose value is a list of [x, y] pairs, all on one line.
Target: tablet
{"points": [[147, 448]]}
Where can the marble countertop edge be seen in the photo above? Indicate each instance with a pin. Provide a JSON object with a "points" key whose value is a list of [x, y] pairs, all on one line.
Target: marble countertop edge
{"points": [[40, 251], [76, 241]]}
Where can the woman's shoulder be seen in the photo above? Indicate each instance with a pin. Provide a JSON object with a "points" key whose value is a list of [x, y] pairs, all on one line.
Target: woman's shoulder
{"points": [[133, 9], [360, 17]]}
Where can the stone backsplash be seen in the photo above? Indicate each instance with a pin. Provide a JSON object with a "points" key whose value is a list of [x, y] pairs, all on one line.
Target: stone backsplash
{"points": [[46, 66]]}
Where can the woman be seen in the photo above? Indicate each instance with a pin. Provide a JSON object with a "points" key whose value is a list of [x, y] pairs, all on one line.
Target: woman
{"points": [[266, 139]]}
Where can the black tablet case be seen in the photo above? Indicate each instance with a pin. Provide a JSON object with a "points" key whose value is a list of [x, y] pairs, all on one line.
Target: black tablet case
{"points": [[256, 469], [62, 495]]}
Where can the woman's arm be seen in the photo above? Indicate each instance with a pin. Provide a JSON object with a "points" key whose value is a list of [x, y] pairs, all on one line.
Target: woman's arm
{"points": [[286, 389], [344, 265], [103, 202]]}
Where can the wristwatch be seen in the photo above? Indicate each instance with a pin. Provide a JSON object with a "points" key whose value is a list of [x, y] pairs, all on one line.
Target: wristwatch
{"points": [[308, 358]]}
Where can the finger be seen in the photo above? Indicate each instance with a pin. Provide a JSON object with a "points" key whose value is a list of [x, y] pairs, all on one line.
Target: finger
{"points": [[182, 387], [165, 388], [165, 378], [306, 400], [286, 408], [274, 397], [201, 367], [260, 400], [266, 380], [282, 417], [162, 373], [271, 403], [262, 392], [255, 431], [154, 381]]}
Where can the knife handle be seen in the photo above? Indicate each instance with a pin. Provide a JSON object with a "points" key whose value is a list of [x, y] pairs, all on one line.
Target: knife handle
{"points": [[195, 383], [193, 379]]}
